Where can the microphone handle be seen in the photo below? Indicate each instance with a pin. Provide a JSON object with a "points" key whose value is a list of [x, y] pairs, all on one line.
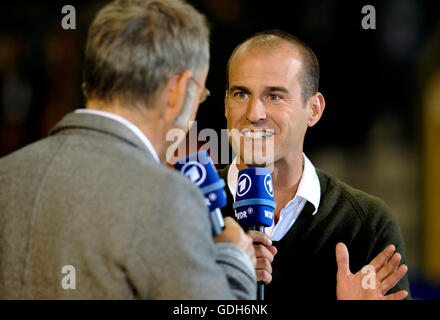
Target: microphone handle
{"points": [[260, 284], [217, 221]]}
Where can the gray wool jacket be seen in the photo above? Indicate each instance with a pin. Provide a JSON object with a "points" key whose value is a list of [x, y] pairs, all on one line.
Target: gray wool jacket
{"points": [[87, 213]]}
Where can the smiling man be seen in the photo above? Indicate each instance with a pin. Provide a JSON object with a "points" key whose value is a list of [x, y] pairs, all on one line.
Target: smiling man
{"points": [[271, 100]]}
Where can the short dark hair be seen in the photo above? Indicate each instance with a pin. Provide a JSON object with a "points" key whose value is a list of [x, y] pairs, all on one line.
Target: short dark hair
{"points": [[135, 46], [310, 71]]}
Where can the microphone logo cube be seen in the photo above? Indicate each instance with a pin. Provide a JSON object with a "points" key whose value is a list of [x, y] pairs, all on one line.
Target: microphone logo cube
{"points": [[268, 184], [195, 172], [254, 201], [244, 184], [199, 168]]}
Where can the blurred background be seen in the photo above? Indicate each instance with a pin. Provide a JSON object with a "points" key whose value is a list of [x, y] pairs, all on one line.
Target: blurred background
{"points": [[380, 131]]}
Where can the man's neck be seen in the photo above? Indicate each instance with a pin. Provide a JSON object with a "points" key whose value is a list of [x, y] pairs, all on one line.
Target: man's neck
{"points": [[145, 120], [286, 175]]}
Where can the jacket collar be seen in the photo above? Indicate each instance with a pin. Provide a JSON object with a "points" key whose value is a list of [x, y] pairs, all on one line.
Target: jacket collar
{"points": [[101, 124]]}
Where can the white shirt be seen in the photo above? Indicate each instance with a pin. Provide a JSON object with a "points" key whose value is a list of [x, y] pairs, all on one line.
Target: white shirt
{"points": [[309, 189], [126, 123]]}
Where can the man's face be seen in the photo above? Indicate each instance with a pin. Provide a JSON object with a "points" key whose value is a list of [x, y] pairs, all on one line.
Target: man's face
{"points": [[195, 95], [194, 92], [265, 93]]}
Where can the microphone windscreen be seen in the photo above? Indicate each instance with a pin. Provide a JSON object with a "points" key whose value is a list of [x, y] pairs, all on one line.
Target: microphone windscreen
{"points": [[254, 202], [199, 168]]}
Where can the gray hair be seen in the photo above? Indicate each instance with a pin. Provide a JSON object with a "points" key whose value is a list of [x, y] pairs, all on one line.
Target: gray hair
{"points": [[135, 46]]}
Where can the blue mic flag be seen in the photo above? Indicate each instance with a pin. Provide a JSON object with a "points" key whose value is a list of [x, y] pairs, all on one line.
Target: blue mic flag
{"points": [[199, 168], [254, 201]]}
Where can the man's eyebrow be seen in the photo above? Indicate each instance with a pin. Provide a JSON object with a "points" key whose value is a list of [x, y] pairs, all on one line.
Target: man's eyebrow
{"points": [[239, 88], [277, 89]]}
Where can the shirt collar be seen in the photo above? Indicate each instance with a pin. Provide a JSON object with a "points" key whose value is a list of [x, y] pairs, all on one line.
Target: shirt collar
{"points": [[309, 187], [126, 123]]}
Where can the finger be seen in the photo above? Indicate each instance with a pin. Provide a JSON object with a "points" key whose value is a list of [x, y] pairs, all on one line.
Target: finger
{"points": [[250, 251], [253, 260], [397, 295], [232, 233], [272, 250], [342, 260], [264, 253], [232, 226], [247, 245], [389, 267], [263, 264], [259, 237], [231, 222], [382, 257], [263, 275], [391, 281]]}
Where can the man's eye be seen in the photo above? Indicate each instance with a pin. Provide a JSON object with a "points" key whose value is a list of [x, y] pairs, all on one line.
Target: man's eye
{"points": [[241, 95], [274, 97]]}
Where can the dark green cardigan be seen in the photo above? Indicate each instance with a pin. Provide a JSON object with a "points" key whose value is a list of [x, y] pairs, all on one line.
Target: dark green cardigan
{"points": [[305, 265]]}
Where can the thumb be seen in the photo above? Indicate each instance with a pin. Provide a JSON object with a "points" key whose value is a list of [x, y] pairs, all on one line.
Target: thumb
{"points": [[342, 261]]}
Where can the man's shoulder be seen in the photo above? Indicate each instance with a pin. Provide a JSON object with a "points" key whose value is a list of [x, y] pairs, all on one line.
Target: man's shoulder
{"points": [[98, 163], [337, 193], [30, 157]]}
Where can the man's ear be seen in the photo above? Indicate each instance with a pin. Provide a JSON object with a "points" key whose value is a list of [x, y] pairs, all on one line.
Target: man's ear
{"points": [[177, 88], [84, 90], [316, 105]]}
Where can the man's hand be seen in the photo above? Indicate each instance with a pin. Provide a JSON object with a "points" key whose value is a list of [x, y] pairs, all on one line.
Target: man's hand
{"points": [[387, 273], [234, 233], [264, 254]]}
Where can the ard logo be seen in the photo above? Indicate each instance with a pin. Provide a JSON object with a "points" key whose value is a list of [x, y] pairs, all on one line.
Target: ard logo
{"points": [[268, 184], [244, 184], [195, 172]]}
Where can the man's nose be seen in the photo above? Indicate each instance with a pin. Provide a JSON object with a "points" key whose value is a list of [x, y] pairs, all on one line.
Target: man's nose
{"points": [[256, 111]]}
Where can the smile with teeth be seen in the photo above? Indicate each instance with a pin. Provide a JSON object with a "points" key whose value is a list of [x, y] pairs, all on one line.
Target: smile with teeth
{"points": [[257, 134]]}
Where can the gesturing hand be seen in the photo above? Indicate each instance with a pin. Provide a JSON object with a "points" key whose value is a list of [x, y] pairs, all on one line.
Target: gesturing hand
{"points": [[383, 273]]}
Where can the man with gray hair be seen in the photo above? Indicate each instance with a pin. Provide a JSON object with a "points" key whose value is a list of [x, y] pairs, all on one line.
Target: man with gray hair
{"points": [[90, 212]]}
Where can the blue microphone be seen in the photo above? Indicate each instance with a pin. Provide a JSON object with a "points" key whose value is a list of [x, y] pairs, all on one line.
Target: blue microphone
{"points": [[199, 168], [254, 204]]}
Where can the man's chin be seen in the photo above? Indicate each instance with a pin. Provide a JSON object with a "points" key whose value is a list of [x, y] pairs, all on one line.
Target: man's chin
{"points": [[261, 161]]}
